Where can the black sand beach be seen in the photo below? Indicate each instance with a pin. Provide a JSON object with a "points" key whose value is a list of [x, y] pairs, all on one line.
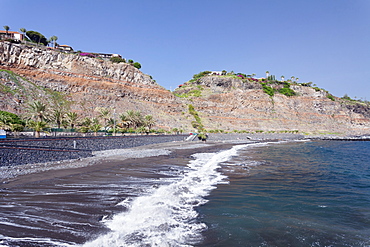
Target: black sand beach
{"points": [[66, 201], [105, 160]]}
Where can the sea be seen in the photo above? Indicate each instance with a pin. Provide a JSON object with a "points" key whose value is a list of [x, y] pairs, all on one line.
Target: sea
{"points": [[291, 193]]}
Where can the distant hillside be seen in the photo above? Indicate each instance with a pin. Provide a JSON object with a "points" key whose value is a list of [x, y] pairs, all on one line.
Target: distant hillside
{"points": [[222, 103]]}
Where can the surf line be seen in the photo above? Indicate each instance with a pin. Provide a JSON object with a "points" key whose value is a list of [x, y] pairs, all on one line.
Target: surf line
{"points": [[167, 216]]}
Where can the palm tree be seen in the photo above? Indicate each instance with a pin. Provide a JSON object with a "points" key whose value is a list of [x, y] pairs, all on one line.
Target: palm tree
{"points": [[85, 125], [23, 30], [10, 124], [57, 117], [282, 78], [135, 118], [105, 114], [125, 121], [149, 121], [7, 30], [38, 110], [86, 122], [71, 118], [130, 118], [5, 122], [54, 39], [267, 74], [292, 78], [95, 127], [37, 126], [111, 123]]}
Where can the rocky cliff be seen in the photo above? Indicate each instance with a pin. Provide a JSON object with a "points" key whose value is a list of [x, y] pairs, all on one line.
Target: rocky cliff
{"points": [[30, 73], [225, 103], [229, 103]]}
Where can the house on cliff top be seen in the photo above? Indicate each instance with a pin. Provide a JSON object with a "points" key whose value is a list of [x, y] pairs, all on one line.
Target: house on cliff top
{"points": [[64, 48], [11, 35]]}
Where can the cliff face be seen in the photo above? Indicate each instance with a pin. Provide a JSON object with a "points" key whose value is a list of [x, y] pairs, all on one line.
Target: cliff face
{"points": [[224, 103], [88, 82], [229, 103], [22, 56]]}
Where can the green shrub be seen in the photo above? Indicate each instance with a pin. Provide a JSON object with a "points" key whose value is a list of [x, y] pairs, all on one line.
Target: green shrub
{"points": [[346, 97], [196, 125], [307, 84], [117, 60], [329, 96], [195, 93], [181, 95], [160, 131], [200, 75], [287, 91], [191, 109], [137, 65], [267, 89]]}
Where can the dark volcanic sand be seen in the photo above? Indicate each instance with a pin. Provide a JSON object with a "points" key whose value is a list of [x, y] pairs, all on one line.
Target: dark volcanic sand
{"points": [[67, 205]]}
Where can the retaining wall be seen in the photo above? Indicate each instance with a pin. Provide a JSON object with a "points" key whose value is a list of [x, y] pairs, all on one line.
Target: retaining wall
{"points": [[30, 151]]}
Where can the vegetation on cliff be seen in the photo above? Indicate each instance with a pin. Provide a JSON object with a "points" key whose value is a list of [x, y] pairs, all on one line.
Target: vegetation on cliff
{"points": [[226, 101], [270, 85], [197, 124], [46, 110]]}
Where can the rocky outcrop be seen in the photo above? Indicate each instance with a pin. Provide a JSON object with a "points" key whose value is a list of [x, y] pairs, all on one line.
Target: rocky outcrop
{"points": [[233, 104], [219, 84], [72, 65], [31, 73], [223, 103]]}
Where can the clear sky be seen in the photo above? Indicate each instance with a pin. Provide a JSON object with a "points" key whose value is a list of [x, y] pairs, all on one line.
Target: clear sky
{"points": [[326, 42]]}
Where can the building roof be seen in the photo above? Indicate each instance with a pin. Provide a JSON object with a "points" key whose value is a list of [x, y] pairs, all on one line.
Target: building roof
{"points": [[1, 31]]}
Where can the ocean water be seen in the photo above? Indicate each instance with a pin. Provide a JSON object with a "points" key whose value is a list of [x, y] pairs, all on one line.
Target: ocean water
{"points": [[268, 194], [292, 194]]}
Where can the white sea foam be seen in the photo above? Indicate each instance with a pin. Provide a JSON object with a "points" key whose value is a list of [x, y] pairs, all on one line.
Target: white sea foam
{"points": [[167, 216], [8, 241]]}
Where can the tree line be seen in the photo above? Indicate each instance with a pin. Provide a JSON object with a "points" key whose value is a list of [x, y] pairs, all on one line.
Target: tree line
{"points": [[42, 117]]}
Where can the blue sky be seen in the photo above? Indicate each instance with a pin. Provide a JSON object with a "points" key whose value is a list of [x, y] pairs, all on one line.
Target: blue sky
{"points": [[326, 42]]}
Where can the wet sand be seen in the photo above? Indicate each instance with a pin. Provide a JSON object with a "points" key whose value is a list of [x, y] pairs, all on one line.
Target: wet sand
{"points": [[105, 160], [66, 202]]}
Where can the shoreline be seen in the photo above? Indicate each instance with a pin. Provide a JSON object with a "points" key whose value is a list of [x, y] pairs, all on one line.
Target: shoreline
{"points": [[102, 160], [27, 173]]}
